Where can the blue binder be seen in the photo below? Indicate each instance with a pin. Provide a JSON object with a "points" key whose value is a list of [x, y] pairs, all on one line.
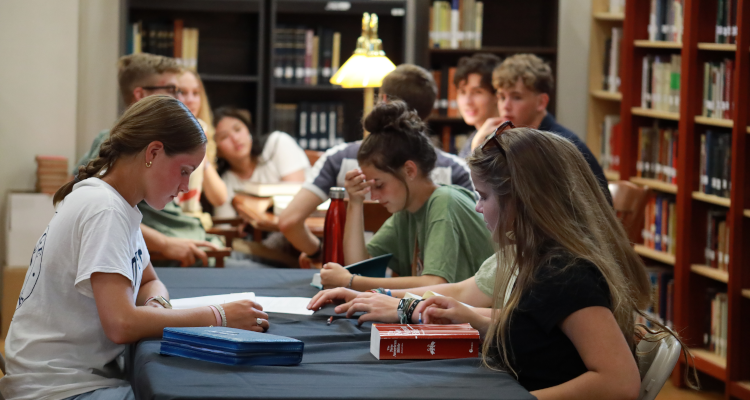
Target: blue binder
{"points": [[231, 346]]}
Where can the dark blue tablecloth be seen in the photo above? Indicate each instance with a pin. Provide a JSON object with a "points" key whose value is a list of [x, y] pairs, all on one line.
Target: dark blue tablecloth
{"points": [[337, 363]]}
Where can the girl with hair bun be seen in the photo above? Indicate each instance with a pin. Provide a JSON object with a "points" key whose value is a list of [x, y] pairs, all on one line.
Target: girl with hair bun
{"points": [[434, 234], [91, 288]]}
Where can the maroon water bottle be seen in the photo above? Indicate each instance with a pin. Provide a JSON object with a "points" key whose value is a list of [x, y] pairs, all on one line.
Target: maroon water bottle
{"points": [[333, 231]]}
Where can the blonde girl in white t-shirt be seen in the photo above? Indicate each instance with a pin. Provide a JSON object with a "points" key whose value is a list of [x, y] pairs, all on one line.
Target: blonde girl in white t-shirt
{"points": [[246, 157], [91, 288]]}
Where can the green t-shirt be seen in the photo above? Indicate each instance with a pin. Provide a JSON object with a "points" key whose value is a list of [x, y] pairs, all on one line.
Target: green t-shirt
{"points": [[485, 278], [170, 221], [452, 237]]}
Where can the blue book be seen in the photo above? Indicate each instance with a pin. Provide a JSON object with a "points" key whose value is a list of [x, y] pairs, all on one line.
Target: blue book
{"points": [[373, 267], [229, 358], [231, 339]]}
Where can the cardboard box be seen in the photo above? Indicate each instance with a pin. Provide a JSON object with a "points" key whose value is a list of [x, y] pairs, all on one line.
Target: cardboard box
{"points": [[28, 217], [13, 279]]}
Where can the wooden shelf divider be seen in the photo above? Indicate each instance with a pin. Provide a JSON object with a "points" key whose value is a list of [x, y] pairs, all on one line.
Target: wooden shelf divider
{"points": [[606, 95], [740, 389], [655, 184], [725, 123], [710, 363], [710, 198], [708, 272], [746, 213], [647, 252], [657, 44], [717, 46], [645, 112], [746, 293], [607, 16], [614, 176]]}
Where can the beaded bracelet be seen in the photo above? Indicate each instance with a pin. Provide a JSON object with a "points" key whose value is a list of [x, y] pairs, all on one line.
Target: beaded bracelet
{"points": [[410, 311], [403, 307], [223, 314]]}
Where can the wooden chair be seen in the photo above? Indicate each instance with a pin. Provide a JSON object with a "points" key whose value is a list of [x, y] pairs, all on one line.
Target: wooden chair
{"points": [[629, 201], [229, 235]]}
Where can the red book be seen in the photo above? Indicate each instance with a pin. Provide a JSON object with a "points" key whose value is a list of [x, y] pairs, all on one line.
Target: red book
{"points": [[418, 342]]}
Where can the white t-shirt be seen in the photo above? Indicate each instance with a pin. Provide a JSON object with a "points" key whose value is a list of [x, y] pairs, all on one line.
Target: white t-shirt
{"points": [[280, 157], [56, 346]]}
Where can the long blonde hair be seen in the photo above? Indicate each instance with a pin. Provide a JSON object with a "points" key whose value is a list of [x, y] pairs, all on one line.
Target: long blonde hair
{"points": [[153, 118], [206, 115], [554, 208]]}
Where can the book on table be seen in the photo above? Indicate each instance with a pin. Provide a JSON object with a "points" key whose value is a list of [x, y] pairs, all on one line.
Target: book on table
{"points": [[373, 267], [231, 346], [427, 341]]}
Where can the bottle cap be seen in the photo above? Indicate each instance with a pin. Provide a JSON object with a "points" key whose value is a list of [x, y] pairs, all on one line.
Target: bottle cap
{"points": [[337, 193]]}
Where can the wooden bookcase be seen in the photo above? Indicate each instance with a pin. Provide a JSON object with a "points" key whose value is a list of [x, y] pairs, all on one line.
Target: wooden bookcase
{"points": [[691, 278], [510, 27]]}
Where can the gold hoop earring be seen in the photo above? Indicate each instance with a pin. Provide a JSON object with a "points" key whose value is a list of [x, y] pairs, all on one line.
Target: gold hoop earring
{"points": [[148, 164]]}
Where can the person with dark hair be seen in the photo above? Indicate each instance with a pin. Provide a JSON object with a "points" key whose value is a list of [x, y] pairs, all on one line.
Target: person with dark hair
{"points": [[246, 157], [91, 289], [475, 95], [434, 234], [413, 85]]}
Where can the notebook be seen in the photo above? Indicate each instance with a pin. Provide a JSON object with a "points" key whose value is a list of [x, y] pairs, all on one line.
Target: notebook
{"points": [[231, 346], [373, 267]]}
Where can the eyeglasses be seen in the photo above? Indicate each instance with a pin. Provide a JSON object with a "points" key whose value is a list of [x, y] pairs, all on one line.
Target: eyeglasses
{"points": [[171, 89], [495, 137]]}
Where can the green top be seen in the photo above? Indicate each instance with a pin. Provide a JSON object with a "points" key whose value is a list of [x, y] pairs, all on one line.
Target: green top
{"points": [[452, 237], [485, 276], [170, 221]]}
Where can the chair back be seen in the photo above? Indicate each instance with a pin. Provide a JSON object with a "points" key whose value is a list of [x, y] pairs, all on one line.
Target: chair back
{"points": [[629, 201], [656, 362], [313, 156]]}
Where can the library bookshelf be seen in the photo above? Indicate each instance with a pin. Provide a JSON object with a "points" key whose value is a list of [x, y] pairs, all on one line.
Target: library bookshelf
{"points": [[692, 278]]}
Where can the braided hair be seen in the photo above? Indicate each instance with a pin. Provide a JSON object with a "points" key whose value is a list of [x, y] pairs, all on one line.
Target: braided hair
{"points": [[154, 118]]}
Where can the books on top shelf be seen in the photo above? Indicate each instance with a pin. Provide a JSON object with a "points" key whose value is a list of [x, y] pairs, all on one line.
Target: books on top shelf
{"points": [[446, 103], [657, 154], [662, 297], [51, 173], [424, 341], [315, 125], [716, 327], [170, 40], [611, 139], [660, 83], [665, 21], [305, 56], [718, 89], [456, 24], [716, 163], [611, 73], [726, 21], [717, 240], [660, 224]]}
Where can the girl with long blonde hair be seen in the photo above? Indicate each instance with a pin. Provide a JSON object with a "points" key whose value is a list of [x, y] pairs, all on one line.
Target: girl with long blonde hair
{"points": [[567, 329]]}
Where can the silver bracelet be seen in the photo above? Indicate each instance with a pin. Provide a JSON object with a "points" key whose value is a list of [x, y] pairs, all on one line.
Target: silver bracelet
{"points": [[222, 313], [349, 286]]}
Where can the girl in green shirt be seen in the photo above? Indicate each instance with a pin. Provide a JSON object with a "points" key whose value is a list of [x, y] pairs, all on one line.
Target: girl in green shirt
{"points": [[435, 234]]}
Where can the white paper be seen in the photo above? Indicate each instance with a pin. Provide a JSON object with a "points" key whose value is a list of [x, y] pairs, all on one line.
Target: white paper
{"points": [[204, 301], [286, 305]]}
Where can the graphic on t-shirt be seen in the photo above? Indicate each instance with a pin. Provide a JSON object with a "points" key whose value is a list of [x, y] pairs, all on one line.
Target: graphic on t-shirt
{"points": [[35, 269], [136, 263]]}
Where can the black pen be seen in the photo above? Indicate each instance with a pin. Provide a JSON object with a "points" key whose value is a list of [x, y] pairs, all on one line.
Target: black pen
{"points": [[330, 319]]}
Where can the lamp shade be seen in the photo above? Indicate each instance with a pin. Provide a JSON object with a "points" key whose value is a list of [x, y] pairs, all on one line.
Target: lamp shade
{"points": [[361, 71]]}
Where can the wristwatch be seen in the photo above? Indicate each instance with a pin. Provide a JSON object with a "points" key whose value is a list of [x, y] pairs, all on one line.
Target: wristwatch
{"points": [[161, 300]]}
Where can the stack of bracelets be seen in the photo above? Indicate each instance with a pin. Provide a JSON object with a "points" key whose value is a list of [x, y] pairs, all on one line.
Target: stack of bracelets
{"points": [[406, 309]]}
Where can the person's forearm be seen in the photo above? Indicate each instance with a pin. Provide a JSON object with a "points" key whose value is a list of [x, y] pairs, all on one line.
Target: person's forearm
{"points": [[446, 289], [301, 237], [214, 188], [151, 289], [590, 385], [363, 283], [155, 240], [147, 322], [354, 234]]}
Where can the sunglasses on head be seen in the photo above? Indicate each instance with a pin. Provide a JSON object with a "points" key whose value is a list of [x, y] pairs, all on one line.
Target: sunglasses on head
{"points": [[495, 137]]}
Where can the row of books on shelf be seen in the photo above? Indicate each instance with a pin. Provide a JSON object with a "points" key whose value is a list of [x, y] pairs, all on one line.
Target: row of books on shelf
{"points": [[657, 154], [660, 83], [662, 295], [611, 134], [315, 125], [716, 163], [611, 73], [717, 240], [456, 24], [446, 103], [726, 21], [715, 335], [660, 224], [165, 39], [718, 89], [456, 141], [665, 21], [305, 56]]}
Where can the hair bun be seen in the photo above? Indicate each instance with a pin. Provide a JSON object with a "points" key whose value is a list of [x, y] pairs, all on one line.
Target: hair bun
{"points": [[393, 116]]}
